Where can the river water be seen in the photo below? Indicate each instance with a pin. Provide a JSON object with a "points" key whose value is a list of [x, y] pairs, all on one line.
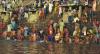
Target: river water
{"points": [[25, 47]]}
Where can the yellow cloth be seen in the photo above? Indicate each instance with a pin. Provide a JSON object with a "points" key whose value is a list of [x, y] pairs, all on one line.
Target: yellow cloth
{"points": [[32, 18], [6, 18], [1, 8], [61, 24], [57, 37]]}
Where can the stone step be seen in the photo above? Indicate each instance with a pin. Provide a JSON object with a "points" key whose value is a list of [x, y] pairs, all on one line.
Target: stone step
{"points": [[28, 2], [94, 50]]}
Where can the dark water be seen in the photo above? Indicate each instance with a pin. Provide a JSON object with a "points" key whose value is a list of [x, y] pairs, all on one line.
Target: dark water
{"points": [[25, 47]]}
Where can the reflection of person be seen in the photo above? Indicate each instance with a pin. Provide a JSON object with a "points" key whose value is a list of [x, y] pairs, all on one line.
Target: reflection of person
{"points": [[94, 5]]}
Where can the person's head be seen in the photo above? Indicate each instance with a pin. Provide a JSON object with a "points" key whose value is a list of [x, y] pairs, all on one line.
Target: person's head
{"points": [[58, 33], [61, 20], [34, 34]]}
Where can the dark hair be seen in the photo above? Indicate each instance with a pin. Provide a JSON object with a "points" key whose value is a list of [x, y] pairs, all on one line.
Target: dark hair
{"points": [[61, 20]]}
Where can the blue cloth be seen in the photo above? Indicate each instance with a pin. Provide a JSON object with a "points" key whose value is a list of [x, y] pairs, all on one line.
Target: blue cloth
{"points": [[91, 14], [70, 19], [26, 32], [14, 25], [50, 38]]}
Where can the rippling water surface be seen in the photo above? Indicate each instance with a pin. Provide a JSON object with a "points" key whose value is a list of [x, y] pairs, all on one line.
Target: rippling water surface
{"points": [[25, 47]]}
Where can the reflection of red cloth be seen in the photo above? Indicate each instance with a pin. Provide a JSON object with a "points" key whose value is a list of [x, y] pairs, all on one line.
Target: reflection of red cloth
{"points": [[97, 24], [66, 32], [0, 33], [19, 37], [2, 25]]}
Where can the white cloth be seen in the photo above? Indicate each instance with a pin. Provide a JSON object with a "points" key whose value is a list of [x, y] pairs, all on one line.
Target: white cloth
{"points": [[13, 2], [60, 10], [84, 30], [75, 2], [3, 2], [74, 33], [44, 6], [86, 3], [9, 27], [50, 7], [76, 19], [57, 37], [54, 25], [26, 15], [8, 6]]}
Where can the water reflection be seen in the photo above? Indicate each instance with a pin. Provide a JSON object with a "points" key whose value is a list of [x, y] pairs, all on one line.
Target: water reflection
{"points": [[25, 47]]}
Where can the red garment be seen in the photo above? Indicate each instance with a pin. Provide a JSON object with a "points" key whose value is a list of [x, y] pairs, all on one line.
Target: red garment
{"points": [[50, 30], [41, 13], [2, 25], [20, 37], [97, 24], [66, 32]]}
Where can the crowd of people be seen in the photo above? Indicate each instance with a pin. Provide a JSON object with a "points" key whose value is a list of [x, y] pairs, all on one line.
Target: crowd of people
{"points": [[80, 25]]}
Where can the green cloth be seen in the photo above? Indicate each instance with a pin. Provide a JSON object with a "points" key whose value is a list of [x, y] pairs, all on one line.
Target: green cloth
{"points": [[9, 27], [61, 25]]}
